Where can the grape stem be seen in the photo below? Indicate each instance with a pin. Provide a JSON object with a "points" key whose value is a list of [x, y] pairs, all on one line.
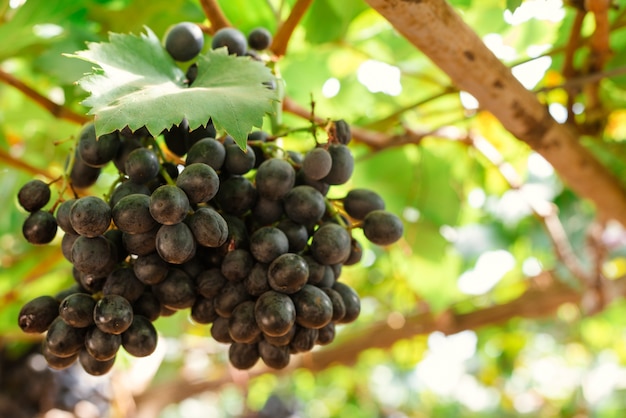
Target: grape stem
{"points": [[214, 14]]}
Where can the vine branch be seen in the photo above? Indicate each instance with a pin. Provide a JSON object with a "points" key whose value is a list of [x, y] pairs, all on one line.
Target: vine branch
{"points": [[214, 14], [281, 39]]}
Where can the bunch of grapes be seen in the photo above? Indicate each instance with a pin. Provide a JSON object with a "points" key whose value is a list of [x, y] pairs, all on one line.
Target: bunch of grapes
{"points": [[247, 240]]}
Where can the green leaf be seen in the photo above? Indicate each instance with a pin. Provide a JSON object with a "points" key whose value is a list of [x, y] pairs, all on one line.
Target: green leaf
{"points": [[336, 16], [138, 84], [513, 4]]}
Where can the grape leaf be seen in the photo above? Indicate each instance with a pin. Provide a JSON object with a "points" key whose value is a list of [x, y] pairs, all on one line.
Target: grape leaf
{"points": [[138, 84]]}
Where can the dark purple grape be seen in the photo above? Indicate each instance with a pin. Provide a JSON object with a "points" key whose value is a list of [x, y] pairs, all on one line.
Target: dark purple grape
{"points": [[236, 195], [132, 214], [101, 345], [256, 282], [243, 356], [127, 145], [234, 41], [266, 212], [339, 307], [340, 132], [36, 315], [90, 283], [276, 357], [176, 138], [140, 339], [95, 367], [317, 163], [116, 238], [267, 243], [350, 300], [343, 164], [66, 245], [210, 282], [208, 227], [296, 233], [304, 204], [356, 253], [64, 340], [314, 309], [331, 244], [56, 362], [175, 243], [238, 161], [288, 273], [123, 282], [34, 195], [147, 305], [140, 244], [242, 325], [237, 264], [203, 311], [90, 216], [359, 202], [275, 313], [274, 178], [150, 268], [127, 188], [326, 334], [208, 151], [142, 165], [231, 295], [39, 228], [382, 227], [82, 175], [169, 205], [113, 314], [219, 330], [63, 216], [97, 151], [93, 255], [77, 310], [199, 181], [259, 38], [184, 41], [303, 340], [177, 291], [281, 340]]}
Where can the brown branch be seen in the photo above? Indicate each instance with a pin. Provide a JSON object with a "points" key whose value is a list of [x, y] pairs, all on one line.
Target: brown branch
{"points": [[214, 14], [11, 161], [438, 31], [281, 39], [57, 110]]}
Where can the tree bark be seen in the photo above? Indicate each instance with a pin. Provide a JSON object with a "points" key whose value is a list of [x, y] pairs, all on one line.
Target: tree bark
{"points": [[435, 28]]}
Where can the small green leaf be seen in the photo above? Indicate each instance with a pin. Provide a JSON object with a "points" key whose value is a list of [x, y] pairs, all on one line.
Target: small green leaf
{"points": [[138, 84], [511, 5]]}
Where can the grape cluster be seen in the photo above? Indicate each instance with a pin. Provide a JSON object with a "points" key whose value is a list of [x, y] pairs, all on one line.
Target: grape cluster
{"points": [[247, 240]]}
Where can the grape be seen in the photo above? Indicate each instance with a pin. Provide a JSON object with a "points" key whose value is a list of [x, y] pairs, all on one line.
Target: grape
{"points": [[92, 255], [142, 165], [359, 202], [147, 305], [267, 211], [243, 356], [331, 244], [267, 243], [66, 245], [210, 282], [282, 339], [340, 132], [116, 238], [63, 216], [175, 243], [274, 178], [77, 310], [237, 264], [63, 340], [81, 174], [231, 295], [234, 41], [317, 163], [208, 227], [314, 309], [90, 216], [274, 313], [176, 291], [91, 283], [169, 205], [150, 268], [127, 188], [236, 195], [123, 282], [113, 314], [140, 339], [184, 41], [176, 138], [208, 151], [140, 244], [382, 227], [40, 227], [316, 270], [101, 345], [203, 311], [191, 73], [97, 151], [342, 166], [199, 181], [36, 315], [238, 161], [259, 39], [95, 367], [303, 340], [350, 300], [276, 357], [219, 330], [127, 145], [296, 233], [319, 185], [256, 282], [56, 362], [33, 195], [288, 273], [339, 307], [356, 253], [326, 334], [242, 325], [131, 214]]}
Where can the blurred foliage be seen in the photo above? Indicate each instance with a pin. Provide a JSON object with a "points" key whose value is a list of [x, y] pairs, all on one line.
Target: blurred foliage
{"points": [[471, 243]]}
